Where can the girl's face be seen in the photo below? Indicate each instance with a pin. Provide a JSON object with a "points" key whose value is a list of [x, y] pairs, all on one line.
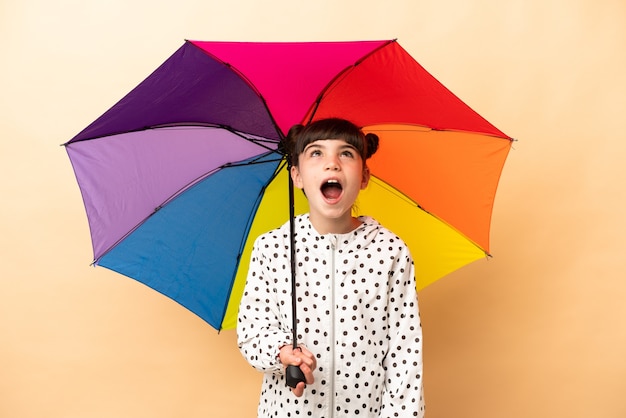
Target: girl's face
{"points": [[331, 172]]}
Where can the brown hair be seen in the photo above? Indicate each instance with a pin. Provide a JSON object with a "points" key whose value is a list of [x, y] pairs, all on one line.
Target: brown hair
{"points": [[300, 136]]}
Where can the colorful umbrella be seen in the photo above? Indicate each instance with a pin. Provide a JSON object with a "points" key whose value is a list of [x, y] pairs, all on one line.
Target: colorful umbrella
{"points": [[183, 173]]}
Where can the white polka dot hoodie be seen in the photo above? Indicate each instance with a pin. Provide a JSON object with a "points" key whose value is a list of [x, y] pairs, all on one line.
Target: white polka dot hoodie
{"points": [[357, 312]]}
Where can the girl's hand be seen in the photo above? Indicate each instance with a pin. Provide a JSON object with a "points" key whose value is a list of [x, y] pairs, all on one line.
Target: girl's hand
{"points": [[302, 358]]}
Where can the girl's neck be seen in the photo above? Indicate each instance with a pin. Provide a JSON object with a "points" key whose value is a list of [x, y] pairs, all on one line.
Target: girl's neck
{"points": [[342, 225]]}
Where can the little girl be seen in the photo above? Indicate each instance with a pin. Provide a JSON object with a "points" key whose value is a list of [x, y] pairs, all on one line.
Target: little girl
{"points": [[357, 311]]}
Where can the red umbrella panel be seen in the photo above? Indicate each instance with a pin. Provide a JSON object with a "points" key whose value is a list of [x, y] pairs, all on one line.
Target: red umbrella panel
{"points": [[184, 172]]}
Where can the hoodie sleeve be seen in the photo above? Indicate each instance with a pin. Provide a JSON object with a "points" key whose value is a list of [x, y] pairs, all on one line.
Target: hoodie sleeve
{"points": [[403, 395], [260, 333]]}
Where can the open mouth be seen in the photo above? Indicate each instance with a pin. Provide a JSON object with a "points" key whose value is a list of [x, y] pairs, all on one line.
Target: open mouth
{"points": [[331, 189]]}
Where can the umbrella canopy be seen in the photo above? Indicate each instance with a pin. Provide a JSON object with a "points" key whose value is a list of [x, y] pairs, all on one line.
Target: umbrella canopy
{"points": [[183, 173]]}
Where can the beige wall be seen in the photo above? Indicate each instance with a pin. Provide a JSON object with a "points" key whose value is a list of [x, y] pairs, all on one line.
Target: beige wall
{"points": [[539, 330]]}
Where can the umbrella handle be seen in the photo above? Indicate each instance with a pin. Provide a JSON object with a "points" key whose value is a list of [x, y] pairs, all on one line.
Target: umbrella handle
{"points": [[294, 375]]}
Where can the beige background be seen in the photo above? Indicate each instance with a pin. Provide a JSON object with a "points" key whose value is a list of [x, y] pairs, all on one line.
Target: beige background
{"points": [[537, 331]]}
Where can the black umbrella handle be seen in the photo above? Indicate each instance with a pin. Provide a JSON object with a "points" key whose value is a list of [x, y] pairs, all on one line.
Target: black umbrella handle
{"points": [[293, 374]]}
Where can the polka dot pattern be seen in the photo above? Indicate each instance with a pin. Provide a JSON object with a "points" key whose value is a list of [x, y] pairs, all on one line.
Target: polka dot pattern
{"points": [[357, 312]]}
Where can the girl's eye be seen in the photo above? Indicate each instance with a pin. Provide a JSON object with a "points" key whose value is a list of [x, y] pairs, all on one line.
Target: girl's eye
{"points": [[315, 153], [349, 154]]}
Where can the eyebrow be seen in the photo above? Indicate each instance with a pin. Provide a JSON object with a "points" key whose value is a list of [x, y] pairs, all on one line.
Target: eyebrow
{"points": [[317, 144]]}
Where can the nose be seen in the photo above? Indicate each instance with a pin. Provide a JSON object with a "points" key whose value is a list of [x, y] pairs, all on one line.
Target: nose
{"points": [[332, 163]]}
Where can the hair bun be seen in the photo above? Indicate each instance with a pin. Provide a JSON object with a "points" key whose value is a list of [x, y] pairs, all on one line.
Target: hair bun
{"points": [[288, 143], [372, 144]]}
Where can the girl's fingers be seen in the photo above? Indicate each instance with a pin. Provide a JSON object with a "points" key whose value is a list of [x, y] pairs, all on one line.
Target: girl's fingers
{"points": [[298, 390]]}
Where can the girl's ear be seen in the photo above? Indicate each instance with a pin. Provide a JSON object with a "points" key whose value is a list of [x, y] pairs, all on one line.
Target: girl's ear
{"points": [[366, 177], [295, 176]]}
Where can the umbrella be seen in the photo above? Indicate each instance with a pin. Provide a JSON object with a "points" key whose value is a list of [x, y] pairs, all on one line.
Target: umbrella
{"points": [[182, 174]]}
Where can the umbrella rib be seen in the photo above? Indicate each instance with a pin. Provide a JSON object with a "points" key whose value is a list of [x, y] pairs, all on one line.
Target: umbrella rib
{"points": [[257, 160], [383, 184], [249, 222], [341, 74], [430, 128], [182, 125], [179, 125], [250, 84]]}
